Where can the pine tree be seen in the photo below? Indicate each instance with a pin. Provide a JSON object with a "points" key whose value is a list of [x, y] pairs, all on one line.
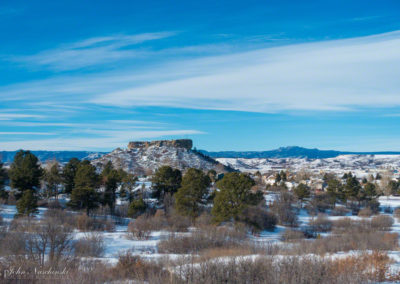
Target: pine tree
{"points": [[234, 196], [25, 172], [278, 178], [193, 191], [84, 194], [110, 179], [128, 183], [335, 190], [302, 191], [283, 176], [393, 187], [52, 179], [86, 175], [352, 188], [166, 180], [370, 191], [27, 204], [3, 178], [84, 198], [69, 173], [136, 207]]}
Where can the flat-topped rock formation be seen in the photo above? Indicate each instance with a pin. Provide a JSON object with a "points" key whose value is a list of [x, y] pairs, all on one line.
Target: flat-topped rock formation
{"points": [[178, 143], [144, 157]]}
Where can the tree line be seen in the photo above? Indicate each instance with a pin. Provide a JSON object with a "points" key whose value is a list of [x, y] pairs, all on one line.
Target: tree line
{"points": [[189, 194]]}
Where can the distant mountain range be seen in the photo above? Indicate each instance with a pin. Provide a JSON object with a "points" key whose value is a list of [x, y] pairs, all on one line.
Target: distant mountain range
{"points": [[282, 152], [289, 152], [61, 156]]}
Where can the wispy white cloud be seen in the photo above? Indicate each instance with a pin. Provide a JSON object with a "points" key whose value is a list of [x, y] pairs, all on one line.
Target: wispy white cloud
{"points": [[25, 133], [337, 75], [366, 18], [107, 140], [12, 116], [90, 52], [332, 75]]}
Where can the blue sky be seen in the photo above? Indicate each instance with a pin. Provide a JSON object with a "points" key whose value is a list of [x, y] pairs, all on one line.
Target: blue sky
{"points": [[231, 75]]}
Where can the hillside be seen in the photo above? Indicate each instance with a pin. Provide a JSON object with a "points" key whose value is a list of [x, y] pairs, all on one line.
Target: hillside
{"points": [[290, 152], [339, 164], [142, 158]]}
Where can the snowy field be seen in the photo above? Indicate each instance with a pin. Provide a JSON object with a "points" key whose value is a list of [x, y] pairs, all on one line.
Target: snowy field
{"points": [[360, 165], [118, 241]]}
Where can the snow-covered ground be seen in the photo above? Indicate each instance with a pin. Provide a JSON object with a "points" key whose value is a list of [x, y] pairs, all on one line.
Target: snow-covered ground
{"points": [[115, 242], [118, 241], [361, 165]]}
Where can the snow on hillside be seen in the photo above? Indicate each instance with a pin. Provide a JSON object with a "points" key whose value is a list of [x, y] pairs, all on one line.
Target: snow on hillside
{"points": [[343, 163], [143, 161]]}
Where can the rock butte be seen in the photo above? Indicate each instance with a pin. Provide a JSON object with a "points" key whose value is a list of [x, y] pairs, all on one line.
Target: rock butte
{"points": [[178, 143]]}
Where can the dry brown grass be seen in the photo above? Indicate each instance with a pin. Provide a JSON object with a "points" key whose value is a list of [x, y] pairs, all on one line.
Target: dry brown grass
{"points": [[86, 223], [374, 266], [223, 252], [365, 212], [204, 238]]}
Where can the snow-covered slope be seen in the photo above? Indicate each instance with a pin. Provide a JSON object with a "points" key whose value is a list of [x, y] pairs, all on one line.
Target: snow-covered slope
{"points": [[145, 160], [340, 163]]}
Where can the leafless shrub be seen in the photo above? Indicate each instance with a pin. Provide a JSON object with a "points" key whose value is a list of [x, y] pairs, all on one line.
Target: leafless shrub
{"points": [[30, 240], [55, 204], [88, 271], [205, 219], [92, 245], [121, 210], [320, 203], [283, 209], [177, 223], [204, 238], [292, 235], [396, 213], [347, 242], [130, 266], [86, 223], [365, 212], [340, 211], [344, 225], [11, 200], [140, 228], [382, 222], [258, 219], [321, 224], [61, 216], [12, 243], [349, 226], [288, 270]]}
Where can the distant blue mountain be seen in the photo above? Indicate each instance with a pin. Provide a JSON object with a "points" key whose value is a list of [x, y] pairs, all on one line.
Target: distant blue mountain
{"points": [[289, 152], [282, 152], [61, 156]]}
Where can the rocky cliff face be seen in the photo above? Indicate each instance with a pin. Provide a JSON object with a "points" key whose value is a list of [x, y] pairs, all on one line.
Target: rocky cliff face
{"points": [[179, 143], [143, 158]]}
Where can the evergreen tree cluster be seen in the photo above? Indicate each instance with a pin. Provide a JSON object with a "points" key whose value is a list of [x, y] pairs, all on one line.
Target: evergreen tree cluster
{"points": [[79, 179], [350, 189]]}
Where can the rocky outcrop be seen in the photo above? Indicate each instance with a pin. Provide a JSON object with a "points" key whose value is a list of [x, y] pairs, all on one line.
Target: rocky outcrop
{"points": [[144, 158], [179, 143]]}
